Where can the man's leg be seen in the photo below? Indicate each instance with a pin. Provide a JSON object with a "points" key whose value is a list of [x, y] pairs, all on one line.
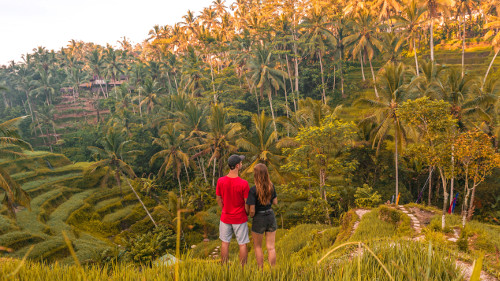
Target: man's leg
{"points": [[224, 251], [243, 254], [225, 234], [257, 243], [241, 232], [271, 251]]}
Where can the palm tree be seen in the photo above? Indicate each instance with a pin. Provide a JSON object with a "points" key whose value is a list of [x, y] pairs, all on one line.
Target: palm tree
{"points": [[433, 9], [394, 89], [45, 85], [171, 140], [464, 7], [113, 63], [96, 64], [364, 41], [45, 115], [3, 89], [457, 89], [261, 145], [430, 83], [494, 35], [386, 8], [111, 159], [219, 139], [411, 20], [317, 38], [151, 89], [265, 75], [9, 142]]}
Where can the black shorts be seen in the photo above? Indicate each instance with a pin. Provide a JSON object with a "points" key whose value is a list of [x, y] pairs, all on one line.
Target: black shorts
{"points": [[264, 222]]}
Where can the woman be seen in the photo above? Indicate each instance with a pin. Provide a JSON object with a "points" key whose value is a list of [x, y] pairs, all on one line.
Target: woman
{"points": [[260, 199]]}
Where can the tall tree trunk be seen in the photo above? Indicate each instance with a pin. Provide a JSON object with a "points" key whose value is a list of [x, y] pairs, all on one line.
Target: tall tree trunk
{"points": [[342, 76], [29, 105], [430, 186], [374, 80], [180, 186], [416, 59], [142, 203], [489, 67], [471, 204], [54, 129], [466, 198], [255, 91], [431, 24], [213, 172], [187, 174], [396, 161], [463, 46], [362, 68], [291, 82], [334, 77], [322, 177], [286, 101], [296, 62], [212, 75], [272, 110], [452, 180], [323, 92], [202, 168], [445, 198], [5, 102]]}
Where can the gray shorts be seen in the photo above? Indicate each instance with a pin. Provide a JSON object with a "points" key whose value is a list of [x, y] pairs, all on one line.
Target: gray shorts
{"points": [[240, 231]]}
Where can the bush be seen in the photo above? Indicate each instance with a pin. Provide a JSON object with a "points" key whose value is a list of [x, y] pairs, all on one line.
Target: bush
{"points": [[366, 197], [145, 248], [463, 241]]}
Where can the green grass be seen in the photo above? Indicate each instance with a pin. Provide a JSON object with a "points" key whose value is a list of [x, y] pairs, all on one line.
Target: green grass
{"points": [[382, 222], [34, 160], [404, 260], [118, 214]]}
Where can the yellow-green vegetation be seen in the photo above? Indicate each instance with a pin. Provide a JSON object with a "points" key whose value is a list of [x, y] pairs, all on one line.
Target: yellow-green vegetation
{"points": [[298, 251], [382, 222], [57, 189]]}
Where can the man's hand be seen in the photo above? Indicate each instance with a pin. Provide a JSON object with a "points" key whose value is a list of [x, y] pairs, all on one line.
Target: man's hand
{"points": [[219, 202]]}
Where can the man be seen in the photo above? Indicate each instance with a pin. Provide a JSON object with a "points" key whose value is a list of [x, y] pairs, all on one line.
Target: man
{"points": [[232, 193]]}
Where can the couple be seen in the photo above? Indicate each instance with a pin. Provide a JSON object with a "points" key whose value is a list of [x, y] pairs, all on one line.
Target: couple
{"points": [[238, 201]]}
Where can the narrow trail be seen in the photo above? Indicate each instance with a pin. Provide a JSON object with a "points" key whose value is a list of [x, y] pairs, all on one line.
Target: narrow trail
{"points": [[465, 267]]}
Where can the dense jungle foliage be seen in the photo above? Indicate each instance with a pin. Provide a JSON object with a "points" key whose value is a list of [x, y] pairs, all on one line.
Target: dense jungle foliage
{"points": [[349, 103]]}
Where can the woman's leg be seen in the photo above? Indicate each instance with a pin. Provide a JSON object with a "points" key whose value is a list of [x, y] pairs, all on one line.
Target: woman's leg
{"points": [[271, 251], [257, 243]]}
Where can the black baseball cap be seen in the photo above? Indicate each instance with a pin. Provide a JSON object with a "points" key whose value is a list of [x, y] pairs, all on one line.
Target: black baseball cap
{"points": [[234, 160]]}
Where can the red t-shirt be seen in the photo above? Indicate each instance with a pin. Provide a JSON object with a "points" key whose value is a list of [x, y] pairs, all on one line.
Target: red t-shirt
{"points": [[234, 193]]}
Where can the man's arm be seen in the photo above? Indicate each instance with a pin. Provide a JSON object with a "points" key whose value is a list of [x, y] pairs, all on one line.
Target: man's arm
{"points": [[219, 202], [275, 201]]}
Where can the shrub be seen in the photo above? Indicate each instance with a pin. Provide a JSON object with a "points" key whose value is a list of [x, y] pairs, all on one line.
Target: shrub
{"points": [[145, 248], [366, 197]]}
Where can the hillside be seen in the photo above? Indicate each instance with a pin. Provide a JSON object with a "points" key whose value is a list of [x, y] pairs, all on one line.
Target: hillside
{"points": [[61, 198], [406, 239]]}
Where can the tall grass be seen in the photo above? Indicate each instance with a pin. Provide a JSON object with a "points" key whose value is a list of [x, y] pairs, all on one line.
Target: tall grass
{"points": [[404, 260]]}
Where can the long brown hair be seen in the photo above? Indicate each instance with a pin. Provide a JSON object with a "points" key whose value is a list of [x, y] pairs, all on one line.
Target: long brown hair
{"points": [[262, 183]]}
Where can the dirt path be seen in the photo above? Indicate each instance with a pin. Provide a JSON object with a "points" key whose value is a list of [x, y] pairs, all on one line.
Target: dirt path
{"points": [[360, 213], [419, 217]]}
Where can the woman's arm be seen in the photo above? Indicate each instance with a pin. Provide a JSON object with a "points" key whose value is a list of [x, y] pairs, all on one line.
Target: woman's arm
{"points": [[275, 201], [251, 211]]}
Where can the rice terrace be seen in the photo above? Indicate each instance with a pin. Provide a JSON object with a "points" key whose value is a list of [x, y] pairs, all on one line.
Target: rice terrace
{"points": [[250, 140]]}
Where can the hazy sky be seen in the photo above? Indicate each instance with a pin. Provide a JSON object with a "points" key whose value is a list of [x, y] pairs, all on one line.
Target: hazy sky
{"points": [[26, 24]]}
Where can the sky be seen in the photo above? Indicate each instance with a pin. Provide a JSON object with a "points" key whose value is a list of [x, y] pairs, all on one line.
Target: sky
{"points": [[27, 24]]}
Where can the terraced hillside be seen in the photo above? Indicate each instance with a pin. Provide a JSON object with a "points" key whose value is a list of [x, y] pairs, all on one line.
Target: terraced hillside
{"points": [[63, 200]]}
